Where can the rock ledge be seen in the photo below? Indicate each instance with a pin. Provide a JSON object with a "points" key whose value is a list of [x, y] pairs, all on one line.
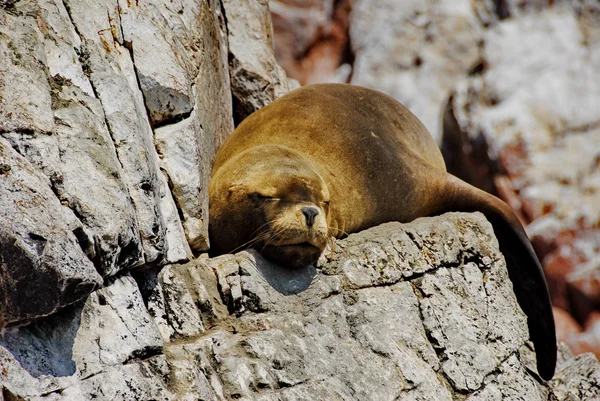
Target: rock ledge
{"points": [[401, 311]]}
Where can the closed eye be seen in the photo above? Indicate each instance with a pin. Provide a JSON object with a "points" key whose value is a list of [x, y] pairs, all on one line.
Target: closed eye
{"points": [[257, 196]]}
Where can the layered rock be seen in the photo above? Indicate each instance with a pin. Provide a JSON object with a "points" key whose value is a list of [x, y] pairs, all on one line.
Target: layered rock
{"points": [[110, 116], [401, 311]]}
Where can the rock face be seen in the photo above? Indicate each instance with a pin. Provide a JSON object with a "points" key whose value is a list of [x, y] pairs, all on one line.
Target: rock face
{"points": [[110, 115], [415, 311], [255, 80], [43, 245]]}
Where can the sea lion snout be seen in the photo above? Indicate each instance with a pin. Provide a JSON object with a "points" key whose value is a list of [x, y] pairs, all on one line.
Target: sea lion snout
{"points": [[309, 213]]}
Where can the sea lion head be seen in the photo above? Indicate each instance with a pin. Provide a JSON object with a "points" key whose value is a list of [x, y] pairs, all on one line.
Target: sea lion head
{"points": [[270, 198]]}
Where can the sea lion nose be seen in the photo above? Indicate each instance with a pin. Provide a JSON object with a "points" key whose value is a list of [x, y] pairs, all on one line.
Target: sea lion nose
{"points": [[310, 212]]}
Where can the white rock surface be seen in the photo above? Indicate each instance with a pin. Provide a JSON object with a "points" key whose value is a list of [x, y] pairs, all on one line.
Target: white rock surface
{"points": [[160, 62], [187, 147], [541, 94], [74, 351], [80, 84], [415, 51], [75, 149]]}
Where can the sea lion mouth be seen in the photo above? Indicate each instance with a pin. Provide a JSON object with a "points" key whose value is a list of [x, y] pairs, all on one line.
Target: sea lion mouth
{"points": [[300, 245]]}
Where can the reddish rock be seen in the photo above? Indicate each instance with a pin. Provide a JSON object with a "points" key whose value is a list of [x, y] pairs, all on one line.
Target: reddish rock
{"points": [[513, 159], [311, 37], [566, 327], [593, 323], [557, 268], [584, 290], [590, 339], [579, 340]]}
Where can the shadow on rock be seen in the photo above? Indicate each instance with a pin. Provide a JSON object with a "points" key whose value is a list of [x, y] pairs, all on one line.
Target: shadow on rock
{"points": [[45, 347], [286, 281]]}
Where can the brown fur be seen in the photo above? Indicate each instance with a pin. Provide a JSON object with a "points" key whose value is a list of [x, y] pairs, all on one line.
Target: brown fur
{"points": [[361, 159]]}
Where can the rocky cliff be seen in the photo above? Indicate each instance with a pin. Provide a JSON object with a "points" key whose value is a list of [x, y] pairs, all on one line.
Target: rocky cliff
{"points": [[110, 115]]}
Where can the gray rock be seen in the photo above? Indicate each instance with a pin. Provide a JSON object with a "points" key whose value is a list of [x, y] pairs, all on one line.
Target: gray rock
{"points": [[113, 76], [417, 311], [511, 382], [98, 159], [81, 82], [577, 379], [161, 62], [171, 305], [21, 65], [212, 83], [76, 152], [181, 151], [82, 349], [115, 327], [186, 148], [445, 325], [44, 266], [256, 78], [138, 380], [132, 136]]}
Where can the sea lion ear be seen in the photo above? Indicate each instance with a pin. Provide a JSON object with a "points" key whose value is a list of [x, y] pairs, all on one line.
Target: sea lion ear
{"points": [[234, 188]]}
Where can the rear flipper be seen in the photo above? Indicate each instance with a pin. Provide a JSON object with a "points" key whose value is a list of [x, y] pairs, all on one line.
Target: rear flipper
{"points": [[523, 266], [531, 290]]}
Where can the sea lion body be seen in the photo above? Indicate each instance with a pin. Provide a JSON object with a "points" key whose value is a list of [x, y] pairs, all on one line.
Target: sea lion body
{"points": [[346, 158]]}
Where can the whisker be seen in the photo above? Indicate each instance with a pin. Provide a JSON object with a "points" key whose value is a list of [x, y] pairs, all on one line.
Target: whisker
{"points": [[270, 239], [340, 231], [268, 222], [247, 244]]}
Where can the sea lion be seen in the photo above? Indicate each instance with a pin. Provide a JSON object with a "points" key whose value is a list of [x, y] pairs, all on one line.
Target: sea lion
{"points": [[333, 159]]}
